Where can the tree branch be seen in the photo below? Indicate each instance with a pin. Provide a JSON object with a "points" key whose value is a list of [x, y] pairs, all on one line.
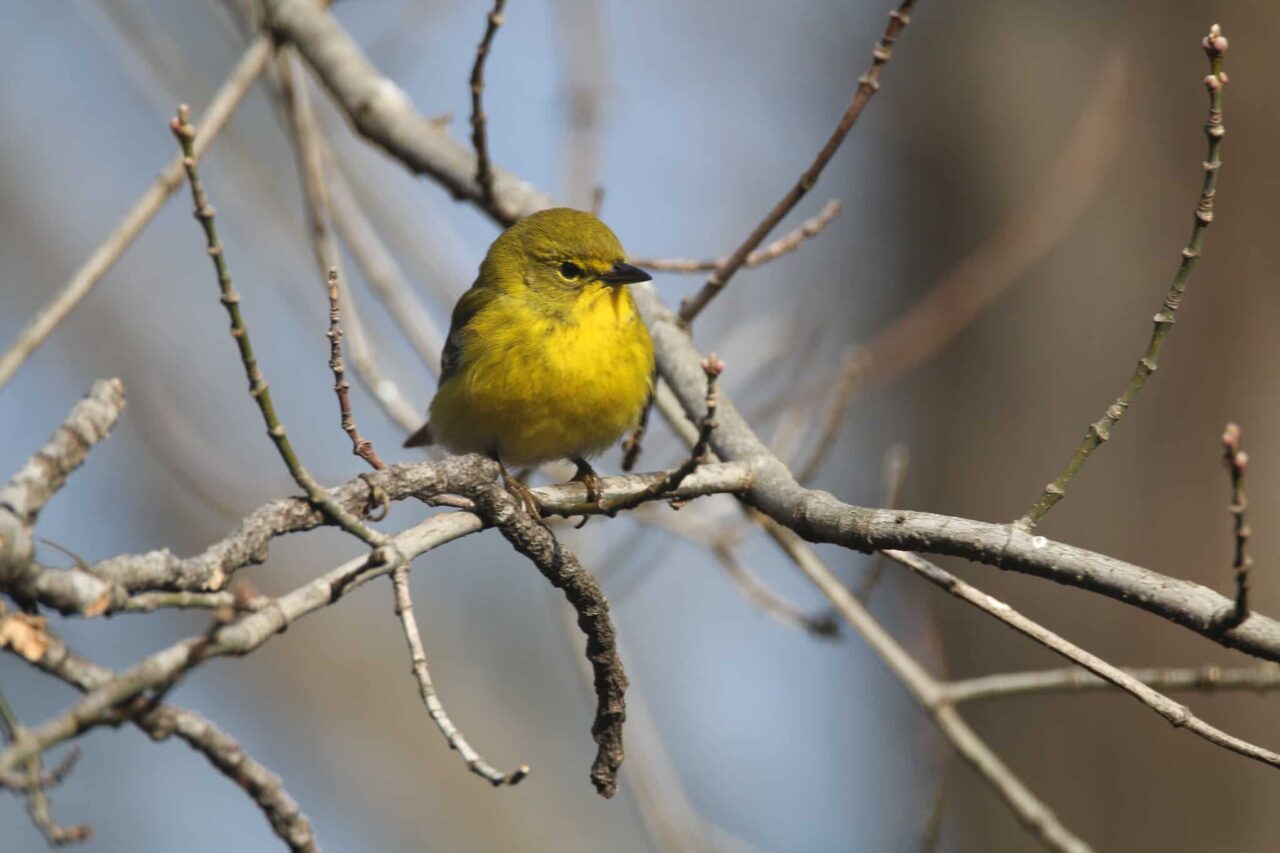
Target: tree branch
{"points": [[224, 102], [1215, 46], [868, 85]]}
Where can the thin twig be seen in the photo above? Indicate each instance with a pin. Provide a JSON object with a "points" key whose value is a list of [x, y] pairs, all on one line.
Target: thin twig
{"points": [[1176, 713], [1215, 47], [379, 267], [764, 598], [857, 362], [418, 655], [309, 154], [928, 693], [258, 387], [221, 750], [896, 461], [360, 445], [868, 85], [784, 245], [712, 367], [1074, 679], [1236, 461], [363, 448], [37, 800], [479, 134], [82, 281]]}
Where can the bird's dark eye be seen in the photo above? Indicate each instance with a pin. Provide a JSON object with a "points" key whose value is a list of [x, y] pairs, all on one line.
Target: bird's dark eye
{"points": [[570, 271]]}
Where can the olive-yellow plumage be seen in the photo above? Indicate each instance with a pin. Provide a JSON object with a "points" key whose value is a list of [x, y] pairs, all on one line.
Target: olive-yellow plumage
{"points": [[547, 357]]}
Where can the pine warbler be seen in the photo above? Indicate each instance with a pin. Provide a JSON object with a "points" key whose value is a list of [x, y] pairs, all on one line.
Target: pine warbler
{"points": [[547, 357]]}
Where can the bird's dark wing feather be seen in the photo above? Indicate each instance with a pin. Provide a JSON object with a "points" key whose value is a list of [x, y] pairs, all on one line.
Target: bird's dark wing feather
{"points": [[471, 303]]}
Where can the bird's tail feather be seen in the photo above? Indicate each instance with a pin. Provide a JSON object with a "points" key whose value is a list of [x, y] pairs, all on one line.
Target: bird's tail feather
{"points": [[421, 438]]}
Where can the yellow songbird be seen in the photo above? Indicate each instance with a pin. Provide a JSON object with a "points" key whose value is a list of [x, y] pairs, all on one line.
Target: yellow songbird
{"points": [[547, 357]]}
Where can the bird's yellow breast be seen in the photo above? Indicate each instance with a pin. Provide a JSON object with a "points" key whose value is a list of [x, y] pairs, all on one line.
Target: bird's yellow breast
{"points": [[535, 386]]}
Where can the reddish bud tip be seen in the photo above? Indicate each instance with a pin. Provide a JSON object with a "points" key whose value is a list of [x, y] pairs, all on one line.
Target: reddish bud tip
{"points": [[712, 365], [1241, 461], [1231, 435]]}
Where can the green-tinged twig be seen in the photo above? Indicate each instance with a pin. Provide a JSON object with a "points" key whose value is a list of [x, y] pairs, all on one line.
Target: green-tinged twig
{"points": [[712, 367], [258, 387], [868, 85], [1215, 45], [479, 132], [1236, 461]]}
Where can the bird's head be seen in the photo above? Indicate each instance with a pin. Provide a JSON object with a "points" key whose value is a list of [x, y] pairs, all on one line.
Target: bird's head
{"points": [[559, 255]]}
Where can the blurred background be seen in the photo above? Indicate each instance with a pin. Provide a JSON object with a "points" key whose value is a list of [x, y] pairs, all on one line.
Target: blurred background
{"points": [[1041, 161]]}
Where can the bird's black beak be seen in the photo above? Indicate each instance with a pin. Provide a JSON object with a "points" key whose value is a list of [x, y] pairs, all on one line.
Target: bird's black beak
{"points": [[622, 273]]}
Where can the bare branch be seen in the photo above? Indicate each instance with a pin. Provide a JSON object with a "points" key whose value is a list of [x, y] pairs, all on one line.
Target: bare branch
{"points": [[784, 245], [559, 566], [820, 517], [309, 154], [360, 445], [89, 422], [928, 693], [418, 654], [479, 135], [221, 750], [219, 111], [1178, 715], [868, 85], [37, 784], [383, 113], [185, 133], [1205, 679], [1215, 46]]}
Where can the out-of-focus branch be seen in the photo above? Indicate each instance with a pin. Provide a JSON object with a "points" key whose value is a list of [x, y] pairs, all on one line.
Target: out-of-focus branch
{"points": [[1177, 714], [223, 104], [928, 694], [1028, 233], [868, 85], [896, 460], [89, 422], [1073, 679], [1215, 47], [305, 134], [1236, 461], [584, 67], [379, 267], [820, 517], [384, 115], [784, 245], [479, 132]]}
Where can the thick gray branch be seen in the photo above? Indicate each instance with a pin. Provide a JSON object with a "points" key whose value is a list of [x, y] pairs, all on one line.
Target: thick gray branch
{"points": [[89, 422]]}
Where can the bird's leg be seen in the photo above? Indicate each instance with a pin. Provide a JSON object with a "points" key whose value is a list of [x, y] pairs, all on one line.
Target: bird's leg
{"points": [[588, 477], [522, 493]]}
